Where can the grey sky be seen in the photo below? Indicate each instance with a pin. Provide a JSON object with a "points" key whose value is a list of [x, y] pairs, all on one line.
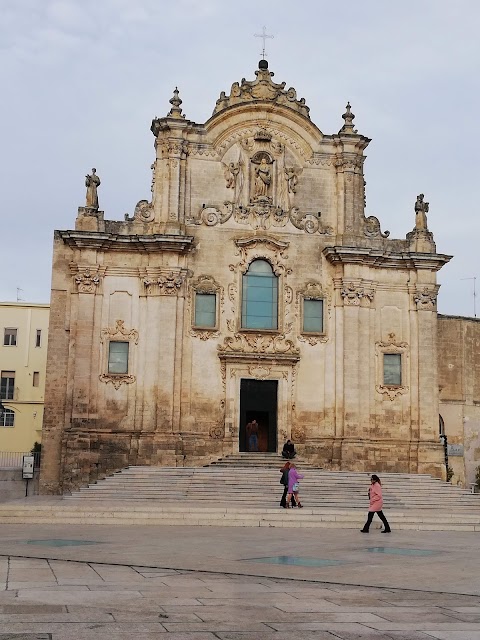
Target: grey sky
{"points": [[82, 81]]}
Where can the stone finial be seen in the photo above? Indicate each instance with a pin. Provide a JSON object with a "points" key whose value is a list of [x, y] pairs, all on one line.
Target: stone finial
{"points": [[175, 111], [348, 116]]}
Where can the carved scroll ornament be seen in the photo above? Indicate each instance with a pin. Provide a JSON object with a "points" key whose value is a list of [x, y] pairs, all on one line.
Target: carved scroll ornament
{"points": [[426, 299], [87, 281]]}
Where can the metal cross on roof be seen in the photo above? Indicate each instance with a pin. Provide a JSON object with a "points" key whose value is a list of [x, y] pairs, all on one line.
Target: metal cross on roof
{"points": [[264, 36]]}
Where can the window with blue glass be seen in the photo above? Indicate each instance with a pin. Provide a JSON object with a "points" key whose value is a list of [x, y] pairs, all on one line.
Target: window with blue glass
{"points": [[312, 316], [205, 310], [260, 297]]}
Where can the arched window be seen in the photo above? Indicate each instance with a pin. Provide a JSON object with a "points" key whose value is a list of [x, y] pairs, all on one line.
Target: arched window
{"points": [[8, 418], [260, 297]]}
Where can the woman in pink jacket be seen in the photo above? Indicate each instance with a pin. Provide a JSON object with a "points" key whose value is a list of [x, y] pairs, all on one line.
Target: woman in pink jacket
{"points": [[376, 505], [293, 486]]}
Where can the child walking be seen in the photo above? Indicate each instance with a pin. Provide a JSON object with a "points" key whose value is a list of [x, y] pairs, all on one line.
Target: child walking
{"points": [[376, 505], [293, 486]]}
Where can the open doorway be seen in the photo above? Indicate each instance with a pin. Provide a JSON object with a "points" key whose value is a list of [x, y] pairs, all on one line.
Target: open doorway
{"points": [[258, 401]]}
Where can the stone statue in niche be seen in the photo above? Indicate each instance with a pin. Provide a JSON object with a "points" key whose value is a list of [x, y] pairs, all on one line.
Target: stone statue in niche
{"points": [[92, 182], [421, 210], [263, 177]]}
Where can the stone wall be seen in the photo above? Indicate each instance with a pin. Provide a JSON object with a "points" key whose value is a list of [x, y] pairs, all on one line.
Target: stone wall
{"points": [[459, 383]]}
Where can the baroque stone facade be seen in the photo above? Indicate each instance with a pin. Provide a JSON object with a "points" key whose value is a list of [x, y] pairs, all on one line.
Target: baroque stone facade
{"points": [[257, 184]]}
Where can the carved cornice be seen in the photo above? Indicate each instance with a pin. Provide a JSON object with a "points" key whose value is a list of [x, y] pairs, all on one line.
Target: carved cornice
{"points": [[384, 259], [116, 242]]}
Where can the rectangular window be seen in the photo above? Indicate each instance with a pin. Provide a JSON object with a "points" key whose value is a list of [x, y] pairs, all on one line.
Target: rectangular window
{"points": [[38, 338], [260, 303], [36, 378], [118, 357], [10, 338], [205, 310], [7, 385], [8, 418], [392, 369], [312, 316]]}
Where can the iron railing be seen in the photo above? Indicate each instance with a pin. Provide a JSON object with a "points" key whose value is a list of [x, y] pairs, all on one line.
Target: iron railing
{"points": [[14, 459]]}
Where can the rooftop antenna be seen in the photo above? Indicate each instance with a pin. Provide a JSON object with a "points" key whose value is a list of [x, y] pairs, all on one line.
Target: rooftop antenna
{"points": [[474, 295], [19, 297], [264, 36]]}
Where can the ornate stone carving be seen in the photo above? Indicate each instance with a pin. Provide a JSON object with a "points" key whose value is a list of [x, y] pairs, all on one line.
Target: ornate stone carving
{"points": [[391, 346], [262, 88], [426, 298], [231, 172], [117, 379], [87, 281], [143, 211], [258, 344], [352, 294], [291, 176], [113, 333], [311, 291], [166, 284], [261, 214], [259, 372], [119, 330], [217, 431], [371, 228]]}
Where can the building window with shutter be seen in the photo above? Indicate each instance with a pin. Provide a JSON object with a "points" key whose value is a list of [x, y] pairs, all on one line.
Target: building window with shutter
{"points": [[38, 338]]}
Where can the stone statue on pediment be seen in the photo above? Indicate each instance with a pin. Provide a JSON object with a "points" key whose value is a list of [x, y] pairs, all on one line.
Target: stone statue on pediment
{"points": [[92, 182], [421, 210]]}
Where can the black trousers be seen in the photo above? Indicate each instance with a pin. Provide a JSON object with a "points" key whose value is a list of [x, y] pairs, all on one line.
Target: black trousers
{"points": [[366, 526], [283, 501]]}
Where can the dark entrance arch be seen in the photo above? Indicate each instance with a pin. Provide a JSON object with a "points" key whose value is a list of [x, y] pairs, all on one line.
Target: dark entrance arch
{"points": [[258, 401]]}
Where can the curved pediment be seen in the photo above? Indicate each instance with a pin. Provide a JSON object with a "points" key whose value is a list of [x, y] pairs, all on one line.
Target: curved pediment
{"points": [[262, 89]]}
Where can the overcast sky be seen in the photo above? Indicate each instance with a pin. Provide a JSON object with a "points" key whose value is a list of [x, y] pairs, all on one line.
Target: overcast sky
{"points": [[82, 80]]}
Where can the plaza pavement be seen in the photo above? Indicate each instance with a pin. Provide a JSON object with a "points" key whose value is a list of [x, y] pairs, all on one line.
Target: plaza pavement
{"points": [[95, 582]]}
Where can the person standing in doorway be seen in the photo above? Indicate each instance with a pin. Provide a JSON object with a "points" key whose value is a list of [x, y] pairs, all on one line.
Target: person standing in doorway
{"points": [[252, 435], [284, 480], [293, 486], [376, 505]]}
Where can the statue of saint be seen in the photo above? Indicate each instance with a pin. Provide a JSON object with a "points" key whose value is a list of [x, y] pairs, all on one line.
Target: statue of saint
{"points": [[92, 182], [421, 210], [263, 178]]}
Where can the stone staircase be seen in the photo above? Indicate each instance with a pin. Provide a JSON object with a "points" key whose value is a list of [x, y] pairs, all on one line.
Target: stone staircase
{"points": [[244, 490]]}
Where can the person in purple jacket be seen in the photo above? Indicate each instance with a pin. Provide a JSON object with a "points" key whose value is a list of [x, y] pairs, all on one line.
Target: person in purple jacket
{"points": [[293, 486]]}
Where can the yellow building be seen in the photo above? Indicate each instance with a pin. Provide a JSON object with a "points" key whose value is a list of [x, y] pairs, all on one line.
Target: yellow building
{"points": [[23, 359]]}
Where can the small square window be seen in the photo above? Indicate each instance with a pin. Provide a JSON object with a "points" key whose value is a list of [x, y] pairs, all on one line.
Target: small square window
{"points": [[36, 378], [392, 369], [118, 357], [10, 338], [38, 338], [205, 310], [312, 316]]}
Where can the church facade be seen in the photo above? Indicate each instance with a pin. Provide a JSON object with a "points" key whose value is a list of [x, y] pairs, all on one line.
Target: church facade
{"points": [[251, 286]]}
